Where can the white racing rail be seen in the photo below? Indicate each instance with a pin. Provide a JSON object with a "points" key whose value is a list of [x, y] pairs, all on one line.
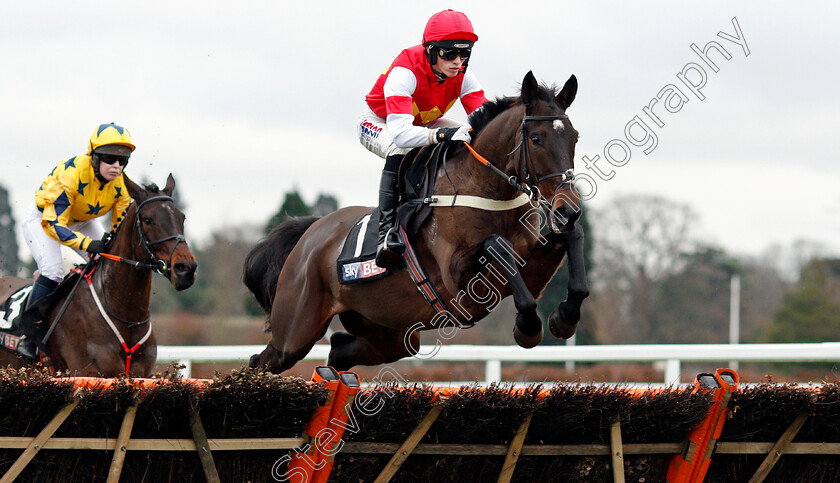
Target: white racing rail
{"points": [[672, 355]]}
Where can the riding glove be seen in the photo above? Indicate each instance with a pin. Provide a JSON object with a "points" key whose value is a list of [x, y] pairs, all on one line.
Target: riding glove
{"points": [[96, 246], [462, 133]]}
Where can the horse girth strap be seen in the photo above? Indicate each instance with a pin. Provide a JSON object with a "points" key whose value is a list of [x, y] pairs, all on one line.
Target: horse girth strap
{"points": [[478, 202]]}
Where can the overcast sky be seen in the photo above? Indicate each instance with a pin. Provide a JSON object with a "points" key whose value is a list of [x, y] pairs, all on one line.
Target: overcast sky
{"points": [[243, 101]]}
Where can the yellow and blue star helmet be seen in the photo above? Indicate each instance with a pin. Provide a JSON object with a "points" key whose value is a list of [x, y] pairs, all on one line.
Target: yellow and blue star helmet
{"points": [[110, 135]]}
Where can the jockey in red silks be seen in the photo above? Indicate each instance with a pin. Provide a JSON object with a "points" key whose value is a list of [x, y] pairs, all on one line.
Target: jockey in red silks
{"points": [[73, 196], [405, 108]]}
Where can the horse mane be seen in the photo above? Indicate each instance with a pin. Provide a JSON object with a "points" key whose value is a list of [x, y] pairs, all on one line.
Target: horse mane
{"points": [[481, 117]]}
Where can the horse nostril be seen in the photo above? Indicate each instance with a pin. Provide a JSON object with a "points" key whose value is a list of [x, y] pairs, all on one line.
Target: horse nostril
{"points": [[182, 268]]}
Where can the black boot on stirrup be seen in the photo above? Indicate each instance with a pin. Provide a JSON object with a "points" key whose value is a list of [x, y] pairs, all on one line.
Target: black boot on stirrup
{"points": [[32, 322], [390, 247]]}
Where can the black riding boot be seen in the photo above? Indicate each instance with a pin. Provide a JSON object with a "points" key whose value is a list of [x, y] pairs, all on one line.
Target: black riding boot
{"points": [[32, 323], [390, 248]]}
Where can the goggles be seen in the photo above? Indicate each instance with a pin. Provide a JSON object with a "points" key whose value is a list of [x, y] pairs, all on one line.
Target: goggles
{"points": [[113, 158], [450, 54]]}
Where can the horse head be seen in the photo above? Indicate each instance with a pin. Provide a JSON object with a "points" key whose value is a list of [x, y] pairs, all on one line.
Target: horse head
{"points": [[159, 227], [545, 160]]}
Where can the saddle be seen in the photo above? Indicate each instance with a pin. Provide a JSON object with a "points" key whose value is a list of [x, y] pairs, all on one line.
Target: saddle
{"points": [[417, 174], [14, 309]]}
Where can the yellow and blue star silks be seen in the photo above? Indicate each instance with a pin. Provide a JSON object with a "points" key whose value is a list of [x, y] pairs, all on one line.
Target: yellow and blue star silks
{"points": [[72, 194]]}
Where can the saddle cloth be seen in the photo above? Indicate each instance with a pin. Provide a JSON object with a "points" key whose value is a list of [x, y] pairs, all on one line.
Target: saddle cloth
{"points": [[11, 311], [356, 261]]}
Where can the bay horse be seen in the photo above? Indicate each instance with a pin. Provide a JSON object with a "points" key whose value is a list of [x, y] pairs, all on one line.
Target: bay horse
{"points": [[83, 342], [474, 257]]}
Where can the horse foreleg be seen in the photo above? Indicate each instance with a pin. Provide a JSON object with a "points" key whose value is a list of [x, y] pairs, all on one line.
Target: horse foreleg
{"points": [[528, 330], [298, 319], [269, 359], [564, 319]]}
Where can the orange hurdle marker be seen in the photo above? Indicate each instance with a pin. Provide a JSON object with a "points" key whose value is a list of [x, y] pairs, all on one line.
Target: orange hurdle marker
{"points": [[692, 464], [306, 462], [339, 417]]}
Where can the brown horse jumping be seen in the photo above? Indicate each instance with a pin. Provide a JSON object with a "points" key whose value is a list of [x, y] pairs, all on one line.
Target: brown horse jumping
{"points": [[474, 256], [82, 342]]}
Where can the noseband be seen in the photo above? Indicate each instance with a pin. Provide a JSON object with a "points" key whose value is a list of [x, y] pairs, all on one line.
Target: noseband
{"points": [[162, 267]]}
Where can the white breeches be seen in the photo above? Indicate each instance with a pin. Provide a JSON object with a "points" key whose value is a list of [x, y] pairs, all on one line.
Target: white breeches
{"points": [[374, 135], [46, 251]]}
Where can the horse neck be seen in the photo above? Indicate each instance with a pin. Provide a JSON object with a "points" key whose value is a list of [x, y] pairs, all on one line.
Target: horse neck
{"points": [[494, 143], [126, 289]]}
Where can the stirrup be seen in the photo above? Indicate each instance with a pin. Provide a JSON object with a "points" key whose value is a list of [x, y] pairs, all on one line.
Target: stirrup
{"points": [[386, 258], [393, 242], [389, 252]]}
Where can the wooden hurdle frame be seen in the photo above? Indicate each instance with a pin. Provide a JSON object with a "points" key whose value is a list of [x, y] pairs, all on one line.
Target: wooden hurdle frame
{"points": [[690, 460]]}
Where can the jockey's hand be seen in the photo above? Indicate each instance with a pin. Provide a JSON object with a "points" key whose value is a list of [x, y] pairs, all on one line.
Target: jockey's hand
{"points": [[462, 133], [96, 246]]}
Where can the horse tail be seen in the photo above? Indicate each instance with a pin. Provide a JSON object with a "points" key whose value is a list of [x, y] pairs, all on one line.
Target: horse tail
{"points": [[264, 262]]}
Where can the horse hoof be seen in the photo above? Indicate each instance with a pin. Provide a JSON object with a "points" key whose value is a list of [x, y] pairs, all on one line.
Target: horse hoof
{"points": [[560, 326], [527, 341], [254, 361]]}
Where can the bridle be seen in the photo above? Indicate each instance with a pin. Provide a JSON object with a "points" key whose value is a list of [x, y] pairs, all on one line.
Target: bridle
{"points": [[528, 183], [162, 267], [531, 180]]}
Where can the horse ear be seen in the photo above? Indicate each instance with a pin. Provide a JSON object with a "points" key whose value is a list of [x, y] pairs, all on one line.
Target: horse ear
{"points": [[567, 95], [136, 191], [170, 185], [530, 89]]}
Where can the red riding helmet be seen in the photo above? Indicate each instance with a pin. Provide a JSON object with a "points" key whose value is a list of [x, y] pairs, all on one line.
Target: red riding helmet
{"points": [[449, 25], [448, 30]]}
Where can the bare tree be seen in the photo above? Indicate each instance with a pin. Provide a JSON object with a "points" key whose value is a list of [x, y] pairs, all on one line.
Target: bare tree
{"points": [[642, 239]]}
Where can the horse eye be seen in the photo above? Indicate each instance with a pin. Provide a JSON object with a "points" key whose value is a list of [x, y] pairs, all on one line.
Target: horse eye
{"points": [[147, 220], [536, 139]]}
